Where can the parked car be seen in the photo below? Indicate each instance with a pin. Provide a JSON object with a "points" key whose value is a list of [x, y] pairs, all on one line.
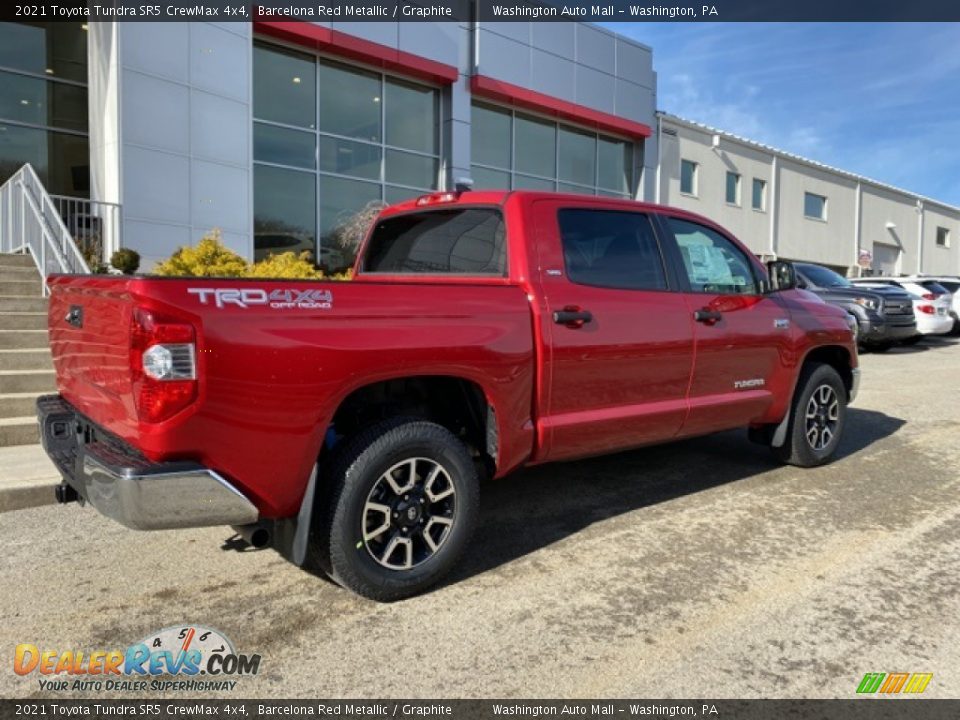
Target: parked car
{"points": [[931, 305], [949, 283], [884, 315], [348, 424]]}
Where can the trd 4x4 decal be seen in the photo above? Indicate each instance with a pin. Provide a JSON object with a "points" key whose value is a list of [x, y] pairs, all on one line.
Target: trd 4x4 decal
{"points": [[282, 299]]}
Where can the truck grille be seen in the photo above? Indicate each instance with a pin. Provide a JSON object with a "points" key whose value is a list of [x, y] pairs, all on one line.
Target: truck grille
{"points": [[898, 307]]}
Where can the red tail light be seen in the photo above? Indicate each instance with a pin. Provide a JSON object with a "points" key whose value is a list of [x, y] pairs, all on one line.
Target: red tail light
{"points": [[926, 309], [929, 296], [163, 366]]}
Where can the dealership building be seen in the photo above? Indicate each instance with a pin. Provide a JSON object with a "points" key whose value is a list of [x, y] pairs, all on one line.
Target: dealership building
{"points": [[277, 132], [149, 135]]}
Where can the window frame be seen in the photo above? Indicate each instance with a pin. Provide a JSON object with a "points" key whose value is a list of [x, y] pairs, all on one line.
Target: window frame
{"points": [[737, 189], [946, 237], [670, 283], [498, 209], [694, 178], [676, 257], [763, 195], [381, 182], [824, 215], [592, 190]]}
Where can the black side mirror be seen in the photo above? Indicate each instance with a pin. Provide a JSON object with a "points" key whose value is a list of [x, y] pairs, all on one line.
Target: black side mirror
{"points": [[783, 276]]}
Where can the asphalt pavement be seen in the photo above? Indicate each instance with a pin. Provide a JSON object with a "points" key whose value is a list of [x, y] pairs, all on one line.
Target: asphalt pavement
{"points": [[699, 569]]}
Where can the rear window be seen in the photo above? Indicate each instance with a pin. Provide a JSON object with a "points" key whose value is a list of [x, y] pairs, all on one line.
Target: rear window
{"points": [[461, 241], [935, 287]]}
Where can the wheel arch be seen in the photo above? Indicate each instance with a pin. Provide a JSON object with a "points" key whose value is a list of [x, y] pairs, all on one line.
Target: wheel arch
{"points": [[460, 404]]}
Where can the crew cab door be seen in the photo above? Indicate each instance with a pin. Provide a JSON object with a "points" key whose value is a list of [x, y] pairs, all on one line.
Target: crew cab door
{"points": [[740, 333], [616, 336]]}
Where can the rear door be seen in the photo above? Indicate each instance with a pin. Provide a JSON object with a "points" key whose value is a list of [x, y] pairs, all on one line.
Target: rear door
{"points": [[740, 333], [617, 335]]}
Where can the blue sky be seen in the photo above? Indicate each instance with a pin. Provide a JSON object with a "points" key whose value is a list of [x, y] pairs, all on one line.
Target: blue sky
{"points": [[879, 99]]}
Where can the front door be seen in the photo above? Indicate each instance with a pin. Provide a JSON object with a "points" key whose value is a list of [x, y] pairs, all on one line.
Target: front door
{"points": [[741, 334], [617, 334]]}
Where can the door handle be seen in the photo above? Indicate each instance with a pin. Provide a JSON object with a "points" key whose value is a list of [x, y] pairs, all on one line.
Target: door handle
{"points": [[707, 317], [572, 317]]}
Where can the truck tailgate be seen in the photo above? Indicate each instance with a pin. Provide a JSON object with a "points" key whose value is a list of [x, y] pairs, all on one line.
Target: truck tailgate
{"points": [[89, 324]]}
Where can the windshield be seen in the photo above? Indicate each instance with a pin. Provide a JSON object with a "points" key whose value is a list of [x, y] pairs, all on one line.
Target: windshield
{"points": [[823, 277]]}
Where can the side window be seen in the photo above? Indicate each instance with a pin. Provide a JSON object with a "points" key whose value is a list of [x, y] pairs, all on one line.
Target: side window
{"points": [[713, 263], [611, 248]]}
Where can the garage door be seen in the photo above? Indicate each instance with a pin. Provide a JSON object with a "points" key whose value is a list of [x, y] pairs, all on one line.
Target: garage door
{"points": [[885, 259]]}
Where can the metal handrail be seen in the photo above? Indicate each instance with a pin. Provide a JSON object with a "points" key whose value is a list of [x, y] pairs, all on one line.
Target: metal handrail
{"points": [[30, 220]]}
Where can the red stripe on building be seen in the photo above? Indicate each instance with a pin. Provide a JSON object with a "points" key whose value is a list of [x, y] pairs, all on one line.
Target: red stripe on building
{"points": [[324, 39], [503, 92]]}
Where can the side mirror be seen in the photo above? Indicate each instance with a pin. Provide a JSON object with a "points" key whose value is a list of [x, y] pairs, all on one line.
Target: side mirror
{"points": [[783, 276]]}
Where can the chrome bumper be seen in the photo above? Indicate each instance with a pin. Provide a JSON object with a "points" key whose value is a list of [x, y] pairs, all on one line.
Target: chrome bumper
{"points": [[854, 384], [123, 485]]}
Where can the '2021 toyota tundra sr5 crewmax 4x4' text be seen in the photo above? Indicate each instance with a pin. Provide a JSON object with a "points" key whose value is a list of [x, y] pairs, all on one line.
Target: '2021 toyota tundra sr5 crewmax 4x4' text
{"points": [[349, 424]]}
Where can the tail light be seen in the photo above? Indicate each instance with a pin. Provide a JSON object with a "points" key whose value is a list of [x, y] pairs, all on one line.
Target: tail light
{"points": [[926, 309], [929, 296], [163, 365]]}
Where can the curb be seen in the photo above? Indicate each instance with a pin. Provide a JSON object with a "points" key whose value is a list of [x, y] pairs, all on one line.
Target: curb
{"points": [[21, 497], [27, 478]]}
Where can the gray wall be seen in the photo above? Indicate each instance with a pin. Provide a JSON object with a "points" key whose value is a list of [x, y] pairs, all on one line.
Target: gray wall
{"points": [[183, 115]]}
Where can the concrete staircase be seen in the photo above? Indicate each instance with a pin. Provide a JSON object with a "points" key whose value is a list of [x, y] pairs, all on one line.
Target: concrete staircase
{"points": [[26, 368]]}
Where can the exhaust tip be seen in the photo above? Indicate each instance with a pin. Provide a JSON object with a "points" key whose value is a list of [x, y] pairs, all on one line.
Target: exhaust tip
{"points": [[256, 535]]}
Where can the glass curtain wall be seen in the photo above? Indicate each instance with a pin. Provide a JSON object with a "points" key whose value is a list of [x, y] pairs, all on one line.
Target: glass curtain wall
{"points": [[513, 150], [43, 104], [330, 141]]}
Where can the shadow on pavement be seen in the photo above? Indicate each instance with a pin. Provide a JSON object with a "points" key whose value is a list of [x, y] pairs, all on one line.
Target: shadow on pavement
{"points": [[929, 342], [537, 507]]}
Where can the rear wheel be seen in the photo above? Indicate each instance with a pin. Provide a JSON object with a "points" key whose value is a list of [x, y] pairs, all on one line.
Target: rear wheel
{"points": [[817, 417], [402, 505]]}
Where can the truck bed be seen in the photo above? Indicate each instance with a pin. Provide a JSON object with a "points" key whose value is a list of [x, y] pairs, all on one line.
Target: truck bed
{"points": [[273, 364]]}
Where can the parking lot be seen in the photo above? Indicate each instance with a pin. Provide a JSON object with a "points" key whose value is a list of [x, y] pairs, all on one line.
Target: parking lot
{"points": [[700, 569]]}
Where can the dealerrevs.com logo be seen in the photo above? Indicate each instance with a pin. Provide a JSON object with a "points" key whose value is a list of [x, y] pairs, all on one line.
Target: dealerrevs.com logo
{"points": [[185, 657]]}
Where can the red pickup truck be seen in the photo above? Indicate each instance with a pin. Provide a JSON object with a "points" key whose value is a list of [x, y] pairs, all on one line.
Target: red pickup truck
{"points": [[348, 424]]}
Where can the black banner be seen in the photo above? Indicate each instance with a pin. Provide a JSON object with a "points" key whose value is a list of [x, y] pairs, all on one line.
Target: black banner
{"points": [[487, 10], [857, 709]]}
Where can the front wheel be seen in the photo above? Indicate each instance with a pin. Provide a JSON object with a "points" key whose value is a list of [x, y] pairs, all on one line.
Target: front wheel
{"points": [[402, 505], [817, 417]]}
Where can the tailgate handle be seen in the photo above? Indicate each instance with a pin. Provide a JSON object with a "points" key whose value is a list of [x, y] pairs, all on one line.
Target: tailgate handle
{"points": [[75, 316]]}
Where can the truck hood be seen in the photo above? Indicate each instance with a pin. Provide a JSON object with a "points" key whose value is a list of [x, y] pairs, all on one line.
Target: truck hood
{"points": [[876, 293]]}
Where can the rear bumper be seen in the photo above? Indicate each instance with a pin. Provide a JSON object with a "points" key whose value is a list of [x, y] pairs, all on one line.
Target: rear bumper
{"points": [[123, 485]]}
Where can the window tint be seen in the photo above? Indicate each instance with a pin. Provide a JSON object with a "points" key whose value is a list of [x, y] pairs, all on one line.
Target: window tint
{"points": [[759, 194], [688, 177], [815, 206], [468, 241], [713, 263], [733, 188], [609, 248]]}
